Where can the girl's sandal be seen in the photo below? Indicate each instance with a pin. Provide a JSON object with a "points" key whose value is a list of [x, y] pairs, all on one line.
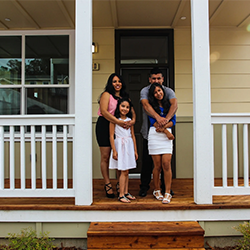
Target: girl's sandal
{"points": [[130, 196], [167, 198], [124, 199], [157, 194]]}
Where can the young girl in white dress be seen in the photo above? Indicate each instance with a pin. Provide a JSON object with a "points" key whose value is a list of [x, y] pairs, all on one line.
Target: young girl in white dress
{"points": [[124, 150]]}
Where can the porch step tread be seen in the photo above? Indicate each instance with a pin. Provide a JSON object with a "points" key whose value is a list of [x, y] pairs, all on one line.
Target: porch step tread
{"points": [[145, 235], [145, 228]]}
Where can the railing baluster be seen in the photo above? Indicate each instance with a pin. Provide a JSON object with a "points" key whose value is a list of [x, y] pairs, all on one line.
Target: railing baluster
{"points": [[54, 156], [1, 158], [65, 157], [245, 155], [224, 155], [22, 157], [33, 158], [44, 172], [8, 144], [235, 156], [12, 158]]}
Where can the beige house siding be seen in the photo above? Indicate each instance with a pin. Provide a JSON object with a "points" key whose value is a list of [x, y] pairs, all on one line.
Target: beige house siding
{"points": [[105, 40], [230, 71], [230, 91]]}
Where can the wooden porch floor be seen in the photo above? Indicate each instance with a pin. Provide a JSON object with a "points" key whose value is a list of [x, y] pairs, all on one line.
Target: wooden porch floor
{"points": [[182, 200]]}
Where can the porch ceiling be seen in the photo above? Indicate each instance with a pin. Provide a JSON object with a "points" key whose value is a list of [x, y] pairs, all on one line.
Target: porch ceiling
{"points": [[60, 14]]}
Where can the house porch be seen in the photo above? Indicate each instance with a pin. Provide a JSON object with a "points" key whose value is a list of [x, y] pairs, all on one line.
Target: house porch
{"points": [[182, 200], [54, 214]]}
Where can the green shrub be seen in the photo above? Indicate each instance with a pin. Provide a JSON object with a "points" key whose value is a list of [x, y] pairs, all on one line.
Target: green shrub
{"points": [[28, 240], [244, 244]]}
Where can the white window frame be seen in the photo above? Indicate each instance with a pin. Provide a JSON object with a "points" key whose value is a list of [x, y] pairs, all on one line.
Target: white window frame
{"points": [[23, 86]]}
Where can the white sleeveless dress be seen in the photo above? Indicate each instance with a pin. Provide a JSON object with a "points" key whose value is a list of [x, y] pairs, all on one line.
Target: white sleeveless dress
{"points": [[125, 149]]}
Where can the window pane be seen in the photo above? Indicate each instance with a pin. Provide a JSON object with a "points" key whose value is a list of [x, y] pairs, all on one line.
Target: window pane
{"points": [[47, 60], [10, 60], [144, 50], [47, 100], [9, 101]]}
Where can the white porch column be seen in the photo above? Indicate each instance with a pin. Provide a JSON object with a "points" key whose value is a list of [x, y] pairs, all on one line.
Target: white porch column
{"points": [[203, 157], [83, 103]]}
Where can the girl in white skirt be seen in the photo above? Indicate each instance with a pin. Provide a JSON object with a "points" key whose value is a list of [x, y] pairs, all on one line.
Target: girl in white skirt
{"points": [[160, 142], [124, 150]]}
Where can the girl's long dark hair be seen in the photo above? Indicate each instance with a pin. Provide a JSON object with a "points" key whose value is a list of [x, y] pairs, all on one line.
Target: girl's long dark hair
{"points": [[110, 88], [154, 102], [120, 101]]}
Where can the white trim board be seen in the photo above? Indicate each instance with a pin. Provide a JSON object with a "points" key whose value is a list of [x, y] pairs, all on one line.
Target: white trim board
{"points": [[132, 216]]}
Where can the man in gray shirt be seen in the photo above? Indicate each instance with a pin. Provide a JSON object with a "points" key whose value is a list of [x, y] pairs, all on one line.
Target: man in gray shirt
{"points": [[156, 76]]}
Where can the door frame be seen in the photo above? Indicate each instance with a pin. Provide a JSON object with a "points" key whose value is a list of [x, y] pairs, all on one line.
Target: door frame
{"points": [[147, 32], [169, 65]]}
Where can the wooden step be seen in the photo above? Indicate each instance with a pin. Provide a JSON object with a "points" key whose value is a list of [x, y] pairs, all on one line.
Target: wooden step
{"points": [[145, 235]]}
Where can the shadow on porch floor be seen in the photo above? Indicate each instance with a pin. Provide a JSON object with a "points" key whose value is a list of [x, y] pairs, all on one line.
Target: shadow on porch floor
{"points": [[182, 200]]}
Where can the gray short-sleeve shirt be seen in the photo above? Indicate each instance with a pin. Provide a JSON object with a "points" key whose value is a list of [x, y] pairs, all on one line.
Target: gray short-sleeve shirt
{"points": [[144, 95]]}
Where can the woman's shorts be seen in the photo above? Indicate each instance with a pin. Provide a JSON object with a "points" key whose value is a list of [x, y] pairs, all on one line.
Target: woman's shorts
{"points": [[102, 132], [158, 143]]}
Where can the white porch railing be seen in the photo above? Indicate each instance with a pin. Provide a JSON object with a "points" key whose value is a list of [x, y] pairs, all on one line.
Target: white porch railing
{"points": [[237, 125], [17, 135]]}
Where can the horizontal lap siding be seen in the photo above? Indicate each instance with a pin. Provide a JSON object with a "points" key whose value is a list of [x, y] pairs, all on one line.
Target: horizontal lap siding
{"points": [[104, 38], [230, 71], [105, 56], [230, 89]]}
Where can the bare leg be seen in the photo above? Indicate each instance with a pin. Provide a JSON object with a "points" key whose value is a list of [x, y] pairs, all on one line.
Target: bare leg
{"points": [[166, 165], [123, 183], [118, 172], [123, 186], [156, 171], [105, 155], [126, 184]]}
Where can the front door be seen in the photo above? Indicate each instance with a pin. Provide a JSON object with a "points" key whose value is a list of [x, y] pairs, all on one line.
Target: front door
{"points": [[137, 52]]}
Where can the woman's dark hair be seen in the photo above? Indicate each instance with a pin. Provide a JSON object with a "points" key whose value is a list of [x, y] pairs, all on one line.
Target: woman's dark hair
{"points": [[120, 101], [154, 102], [110, 88]]}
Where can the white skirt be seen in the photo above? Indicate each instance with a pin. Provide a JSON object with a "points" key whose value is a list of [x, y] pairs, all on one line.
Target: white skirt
{"points": [[158, 142]]}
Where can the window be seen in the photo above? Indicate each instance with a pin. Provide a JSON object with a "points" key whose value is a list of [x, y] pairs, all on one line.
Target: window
{"points": [[144, 49], [34, 74]]}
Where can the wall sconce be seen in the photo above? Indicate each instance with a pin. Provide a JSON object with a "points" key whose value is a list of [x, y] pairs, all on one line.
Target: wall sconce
{"points": [[94, 48]]}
